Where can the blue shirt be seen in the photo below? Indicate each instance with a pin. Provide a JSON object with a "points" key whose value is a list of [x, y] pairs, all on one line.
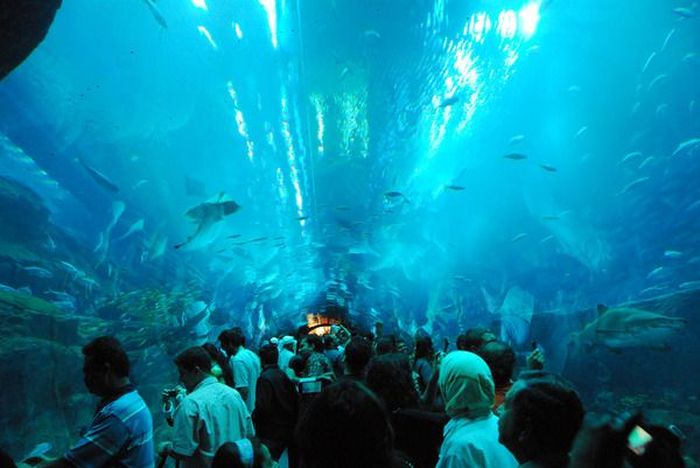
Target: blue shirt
{"points": [[121, 434]]}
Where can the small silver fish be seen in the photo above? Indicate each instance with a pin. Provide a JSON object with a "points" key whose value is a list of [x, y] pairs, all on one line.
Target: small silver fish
{"points": [[545, 239], [648, 62], [658, 79], [684, 12], [673, 254], [514, 140], [38, 272], [646, 162], [687, 145], [634, 184], [515, 156], [668, 38], [449, 101], [693, 205], [652, 289], [690, 285], [520, 236], [655, 272], [628, 156]]}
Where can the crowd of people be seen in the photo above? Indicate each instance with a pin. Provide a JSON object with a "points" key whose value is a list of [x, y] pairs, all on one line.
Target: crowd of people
{"points": [[347, 399]]}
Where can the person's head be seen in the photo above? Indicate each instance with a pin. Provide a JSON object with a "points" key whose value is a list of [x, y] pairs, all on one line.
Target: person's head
{"points": [[244, 453], [193, 366], [268, 355], [330, 342], [232, 340], [466, 385], [401, 345], [501, 360], [311, 343], [106, 367], [214, 353], [474, 338], [540, 417], [424, 347], [378, 328], [345, 426], [389, 376], [288, 343], [6, 460], [386, 345], [358, 352]]}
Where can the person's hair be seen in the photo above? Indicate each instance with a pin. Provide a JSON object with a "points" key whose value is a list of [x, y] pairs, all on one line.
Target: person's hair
{"points": [[315, 341], [389, 376], [107, 350], [193, 358], [268, 355], [228, 455], [553, 409], [472, 339], [297, 363], [219, 357], [424, 347], [358, 352], [330, 342], [386, 345], [234, 337], [345, 426], [501, 360], [6, 460]]}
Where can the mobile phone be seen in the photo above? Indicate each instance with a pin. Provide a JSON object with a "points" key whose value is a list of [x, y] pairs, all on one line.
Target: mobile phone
{"points": [[638, 440]]}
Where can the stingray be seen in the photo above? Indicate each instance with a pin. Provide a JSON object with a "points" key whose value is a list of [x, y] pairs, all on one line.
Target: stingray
{"points": [[207, 214]]}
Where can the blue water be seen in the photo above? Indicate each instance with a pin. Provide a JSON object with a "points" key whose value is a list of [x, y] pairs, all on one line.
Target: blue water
{"points": [[364, 142]]}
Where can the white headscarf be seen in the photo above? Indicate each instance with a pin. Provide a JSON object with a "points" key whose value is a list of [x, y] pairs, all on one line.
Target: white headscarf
{"points": [[466, 385]]}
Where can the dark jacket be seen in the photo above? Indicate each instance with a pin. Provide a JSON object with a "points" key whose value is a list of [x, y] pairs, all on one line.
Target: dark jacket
{"points": [[419, 435], [276, 409]]}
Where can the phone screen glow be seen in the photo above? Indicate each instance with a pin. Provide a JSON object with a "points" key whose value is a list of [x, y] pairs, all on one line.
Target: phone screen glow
{"points": [[638, 440]]}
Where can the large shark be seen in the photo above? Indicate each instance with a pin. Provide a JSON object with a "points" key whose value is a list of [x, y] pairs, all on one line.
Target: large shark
{"points": [[206, 215], [627, 327]]}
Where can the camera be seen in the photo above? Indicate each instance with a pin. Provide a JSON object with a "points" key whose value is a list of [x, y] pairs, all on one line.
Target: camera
{"points": [[170, 392]]}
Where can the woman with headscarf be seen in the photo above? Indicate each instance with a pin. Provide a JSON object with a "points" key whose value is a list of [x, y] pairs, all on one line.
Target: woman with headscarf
{"points": [[471, 436]]}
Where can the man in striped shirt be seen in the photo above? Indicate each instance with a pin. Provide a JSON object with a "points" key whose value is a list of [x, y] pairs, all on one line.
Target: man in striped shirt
{"points": [[121, 433]]}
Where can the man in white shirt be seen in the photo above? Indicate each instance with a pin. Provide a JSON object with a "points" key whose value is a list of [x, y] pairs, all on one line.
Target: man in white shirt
{"points": [[471, 435], [244, 362], [210, 415]]}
